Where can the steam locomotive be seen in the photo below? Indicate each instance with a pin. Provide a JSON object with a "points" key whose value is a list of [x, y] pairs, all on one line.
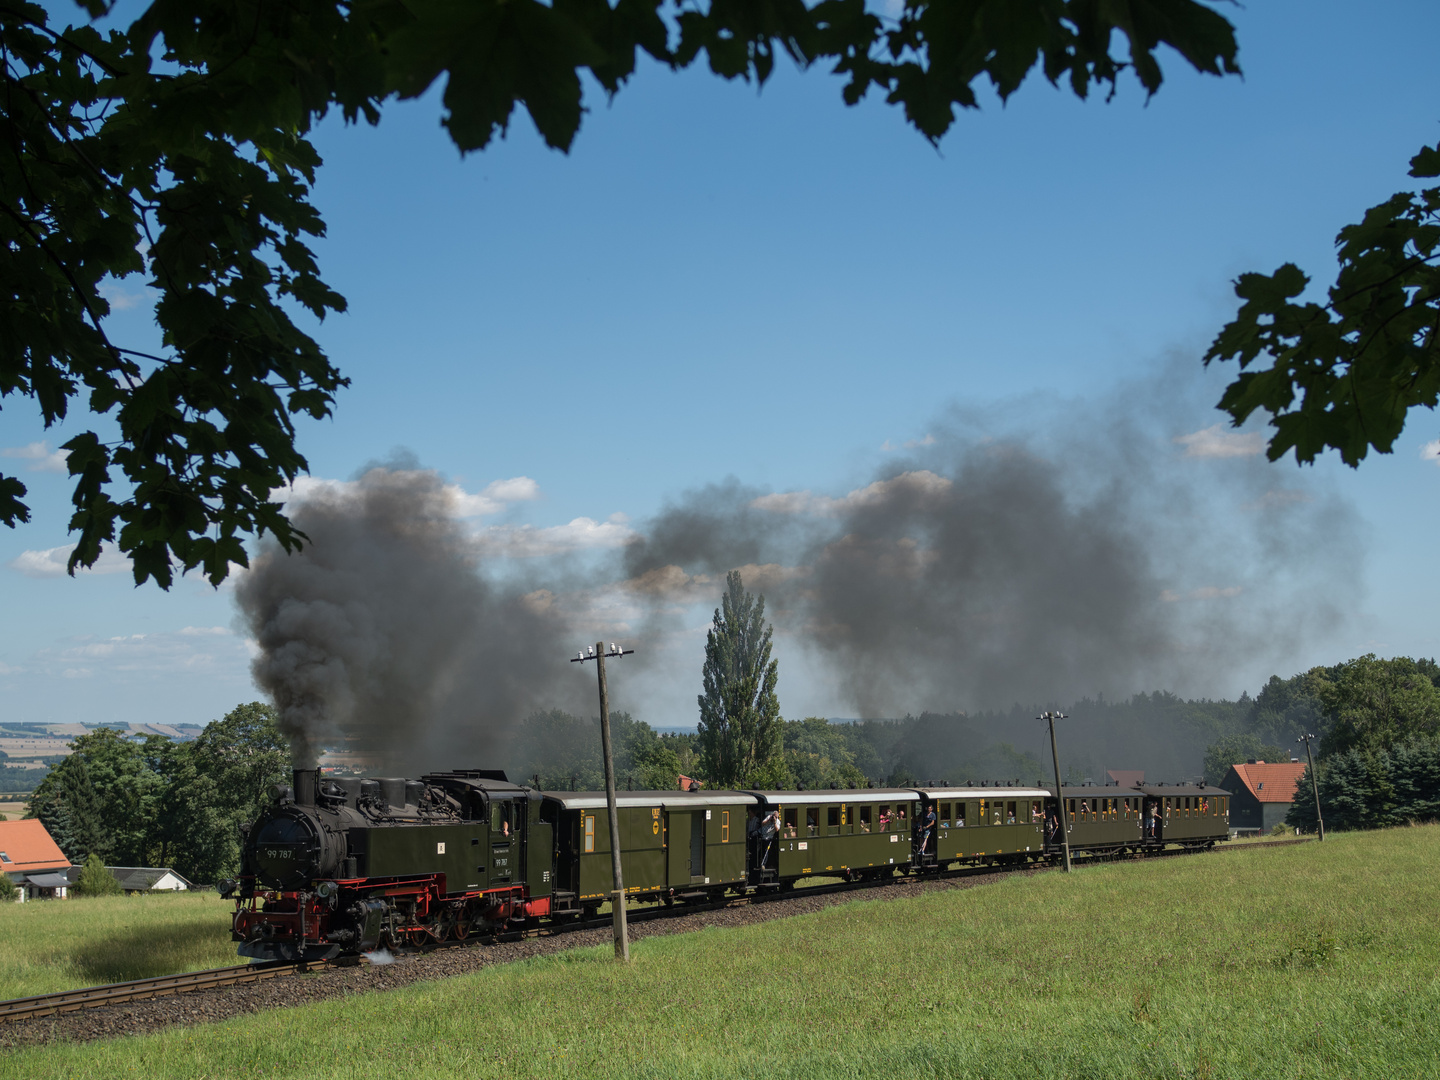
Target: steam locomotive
{"points": [[346, 865]]}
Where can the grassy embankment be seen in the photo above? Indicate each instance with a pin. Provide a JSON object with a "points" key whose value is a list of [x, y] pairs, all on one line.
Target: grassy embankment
{"points": [[51, 945], [1304, 961]]}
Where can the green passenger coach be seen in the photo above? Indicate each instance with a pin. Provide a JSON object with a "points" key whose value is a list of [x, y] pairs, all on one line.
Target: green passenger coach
{"points": [[852, 833], [671, 843], [984, 824]]}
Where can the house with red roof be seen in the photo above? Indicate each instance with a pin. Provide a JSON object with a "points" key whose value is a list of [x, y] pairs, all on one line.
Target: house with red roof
{"points": [[1261, 793], [31, 859]]}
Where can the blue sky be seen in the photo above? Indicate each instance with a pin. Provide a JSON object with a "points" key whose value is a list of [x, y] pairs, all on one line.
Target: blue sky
{"points": [[718, 282]]}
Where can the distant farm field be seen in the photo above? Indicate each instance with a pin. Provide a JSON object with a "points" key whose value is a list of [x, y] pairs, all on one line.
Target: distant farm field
{"points": [[1313, 960], [51, 945]]}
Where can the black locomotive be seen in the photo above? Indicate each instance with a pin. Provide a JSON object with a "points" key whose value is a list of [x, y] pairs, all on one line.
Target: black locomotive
{"points": [[345, 866]]}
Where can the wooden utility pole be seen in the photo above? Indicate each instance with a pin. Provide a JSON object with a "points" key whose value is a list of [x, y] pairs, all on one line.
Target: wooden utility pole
{"points": [[1059, 790], [1314, 784], [617, 897]]}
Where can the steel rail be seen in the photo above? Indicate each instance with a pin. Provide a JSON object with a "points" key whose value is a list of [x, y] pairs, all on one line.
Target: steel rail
{"points": [[68, 1001]]}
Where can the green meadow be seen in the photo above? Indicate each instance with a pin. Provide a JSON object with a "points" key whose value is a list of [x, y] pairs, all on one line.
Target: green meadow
{"points": [[1313, 960], [52, 945]]}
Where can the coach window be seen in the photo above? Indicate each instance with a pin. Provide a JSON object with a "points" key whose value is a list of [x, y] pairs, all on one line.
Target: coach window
{"points": [[944, 815], [812, 819], [832, 819], [865, 818], [1070, 806], [1010, 810], [589, 832], [724, 826], [962, 811], [792, 818]]}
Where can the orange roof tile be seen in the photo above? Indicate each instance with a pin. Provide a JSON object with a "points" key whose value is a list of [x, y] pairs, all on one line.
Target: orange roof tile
{"points": [[1271, 782], [27, 847]]}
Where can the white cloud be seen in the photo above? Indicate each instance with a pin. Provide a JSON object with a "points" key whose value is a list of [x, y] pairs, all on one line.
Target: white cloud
{"points": [[495, 497], [1431, 452], [672, 584], [119, 297], [51, 562], [205, 650], [921, 484], [909, 444], [1216, 442], [530, 541], [1205, 592], [39, 456]]}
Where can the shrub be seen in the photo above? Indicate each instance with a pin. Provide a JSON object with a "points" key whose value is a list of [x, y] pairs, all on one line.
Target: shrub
{"points": [[95, 880], [8, 891]]}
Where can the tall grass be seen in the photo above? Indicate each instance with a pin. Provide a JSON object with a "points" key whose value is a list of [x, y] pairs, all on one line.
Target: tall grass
{"points": [[52, 945], [1315, 961]]}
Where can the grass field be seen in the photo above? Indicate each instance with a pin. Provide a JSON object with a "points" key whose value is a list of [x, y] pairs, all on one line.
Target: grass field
{"points": [[1315, 960], [50, 945]]}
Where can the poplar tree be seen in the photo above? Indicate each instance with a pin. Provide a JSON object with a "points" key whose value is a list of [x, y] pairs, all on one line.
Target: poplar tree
{"points": [[740, 725]]}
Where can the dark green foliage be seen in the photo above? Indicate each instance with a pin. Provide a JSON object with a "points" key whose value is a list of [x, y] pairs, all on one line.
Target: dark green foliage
{"points": [[160, 803], [817, 754], [564, 752], [1373, 788], [1372, 703], [95, 880], [740, 725], [1359, 362], [8, 889], [14, 779], [176, 150], [71, 809]]}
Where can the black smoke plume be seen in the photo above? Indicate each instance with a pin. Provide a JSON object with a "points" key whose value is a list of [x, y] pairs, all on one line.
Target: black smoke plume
{"points": [[1095, 555], [383, 634]]}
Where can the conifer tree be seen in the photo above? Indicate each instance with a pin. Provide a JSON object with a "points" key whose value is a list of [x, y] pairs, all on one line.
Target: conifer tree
{"points": [[740, 725]]}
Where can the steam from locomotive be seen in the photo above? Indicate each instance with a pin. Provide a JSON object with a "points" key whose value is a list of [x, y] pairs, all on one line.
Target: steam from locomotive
{"points": [[972, 571], [384, 632]]}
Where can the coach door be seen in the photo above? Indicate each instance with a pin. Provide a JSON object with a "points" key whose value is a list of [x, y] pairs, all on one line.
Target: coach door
{"points": [[697, 844]]}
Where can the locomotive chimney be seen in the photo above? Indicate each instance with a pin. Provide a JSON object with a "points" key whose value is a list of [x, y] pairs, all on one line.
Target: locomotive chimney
{"points": [[305, 781]]}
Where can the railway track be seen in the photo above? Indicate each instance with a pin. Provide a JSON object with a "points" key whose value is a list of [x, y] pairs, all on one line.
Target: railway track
{"points": [[70, 1001]]}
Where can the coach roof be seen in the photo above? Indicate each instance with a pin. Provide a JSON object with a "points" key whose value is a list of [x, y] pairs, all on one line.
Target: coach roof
{"points": [[671, 800]]}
